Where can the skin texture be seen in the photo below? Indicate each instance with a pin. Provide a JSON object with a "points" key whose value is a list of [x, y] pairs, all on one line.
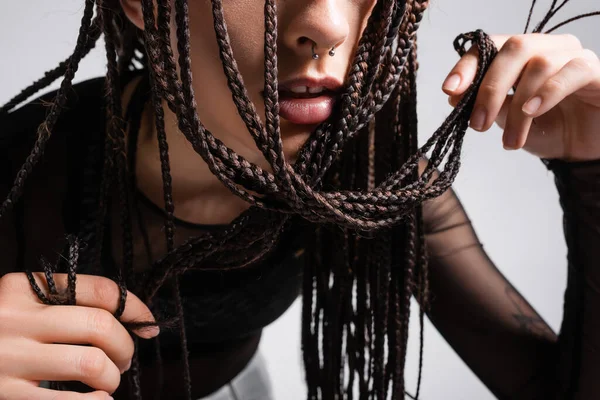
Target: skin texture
{"points": [[558, 84], [328, 23], [50, 347], [557, 68]]}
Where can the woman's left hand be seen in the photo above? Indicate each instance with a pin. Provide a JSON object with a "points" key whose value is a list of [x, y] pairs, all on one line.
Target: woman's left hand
{"points": [[557, 83]]}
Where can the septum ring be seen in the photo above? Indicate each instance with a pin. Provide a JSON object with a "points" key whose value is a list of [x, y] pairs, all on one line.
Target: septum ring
{"points": [[315, 56]]}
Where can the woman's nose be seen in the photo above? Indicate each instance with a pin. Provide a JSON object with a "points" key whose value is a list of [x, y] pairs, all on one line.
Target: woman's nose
{"points": [[314, 27]]}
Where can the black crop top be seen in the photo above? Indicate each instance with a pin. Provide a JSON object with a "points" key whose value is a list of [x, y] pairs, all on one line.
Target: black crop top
{"points": [[490, 325], [222, 309]]}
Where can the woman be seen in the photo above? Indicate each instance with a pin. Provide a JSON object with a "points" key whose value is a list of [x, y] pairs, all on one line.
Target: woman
{"points": [[321, 197]]}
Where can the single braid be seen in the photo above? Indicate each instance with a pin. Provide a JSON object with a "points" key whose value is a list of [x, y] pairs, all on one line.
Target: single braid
{"points": [[116, 131], [55, 73]]}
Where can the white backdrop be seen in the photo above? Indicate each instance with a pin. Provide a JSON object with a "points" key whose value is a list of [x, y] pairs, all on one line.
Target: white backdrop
{"points": [[508, 195]]}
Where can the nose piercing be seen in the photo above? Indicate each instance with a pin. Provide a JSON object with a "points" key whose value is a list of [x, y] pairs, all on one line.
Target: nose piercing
{"points": [[315, 56]]}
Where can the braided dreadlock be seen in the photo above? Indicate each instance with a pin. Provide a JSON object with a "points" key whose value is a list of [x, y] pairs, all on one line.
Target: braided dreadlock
{"points": [[356, 303]]}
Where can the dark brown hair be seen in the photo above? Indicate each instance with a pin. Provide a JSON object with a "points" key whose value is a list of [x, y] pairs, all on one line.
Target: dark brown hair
{"points": [[356, 181]]}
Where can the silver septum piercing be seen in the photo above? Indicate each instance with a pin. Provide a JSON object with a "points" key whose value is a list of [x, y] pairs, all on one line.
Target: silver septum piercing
{"points": [[315, 56]]}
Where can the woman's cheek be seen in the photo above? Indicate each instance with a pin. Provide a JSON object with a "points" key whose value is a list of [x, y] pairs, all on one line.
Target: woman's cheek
{"points": [[245, 23]]}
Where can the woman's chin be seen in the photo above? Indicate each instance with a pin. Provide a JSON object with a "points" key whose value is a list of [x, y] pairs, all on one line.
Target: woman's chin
{"points": [[294, 136]]}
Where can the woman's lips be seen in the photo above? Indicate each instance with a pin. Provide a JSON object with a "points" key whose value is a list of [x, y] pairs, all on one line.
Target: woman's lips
{"points": [[306, 110]]}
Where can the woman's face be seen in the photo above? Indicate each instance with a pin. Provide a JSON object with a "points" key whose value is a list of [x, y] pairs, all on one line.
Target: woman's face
{"points": [[324, 24]]}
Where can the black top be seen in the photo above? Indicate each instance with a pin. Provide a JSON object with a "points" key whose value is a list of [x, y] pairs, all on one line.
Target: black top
{"points": [[222, 309], [485, 320]]}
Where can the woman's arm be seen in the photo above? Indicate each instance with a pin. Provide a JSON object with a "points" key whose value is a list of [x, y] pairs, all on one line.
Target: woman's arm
{"points": [[492, 327], [481, 315]]}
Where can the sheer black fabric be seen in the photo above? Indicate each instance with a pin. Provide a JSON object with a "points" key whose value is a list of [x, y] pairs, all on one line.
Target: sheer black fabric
{"points": [[492, 327], [489, 324]]}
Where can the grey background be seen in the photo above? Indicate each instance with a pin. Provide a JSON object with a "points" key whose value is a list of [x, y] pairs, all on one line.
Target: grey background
{"points": [[509, 196]]}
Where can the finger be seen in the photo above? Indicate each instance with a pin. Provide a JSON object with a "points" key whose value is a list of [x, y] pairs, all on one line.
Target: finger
{"points": [[505, 70], [537, 141], [454, 100], [538, 70], [91, 291], [577, 74], [84, 325], [461, 76], [463, 73], [25, 391], [61, 362], [503, 113]]}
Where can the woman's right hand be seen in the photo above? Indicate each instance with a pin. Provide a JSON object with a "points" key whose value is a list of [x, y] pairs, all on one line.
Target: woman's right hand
{"points": [[83, 343]]}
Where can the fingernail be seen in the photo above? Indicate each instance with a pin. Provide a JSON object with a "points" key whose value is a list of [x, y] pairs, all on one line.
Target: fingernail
{"points": [[109, 397], [153, 331], [147, 332], [478, 118], [451, 83], [128, 366], [532, 105], [510, 141]]}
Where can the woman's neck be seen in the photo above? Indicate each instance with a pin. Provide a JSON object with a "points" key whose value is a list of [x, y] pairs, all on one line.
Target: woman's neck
{"points": [[198, 195]]}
